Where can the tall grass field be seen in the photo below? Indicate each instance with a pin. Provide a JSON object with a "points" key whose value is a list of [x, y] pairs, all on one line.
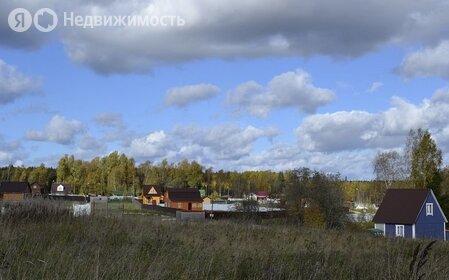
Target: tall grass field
{"points": [[46, 242]]}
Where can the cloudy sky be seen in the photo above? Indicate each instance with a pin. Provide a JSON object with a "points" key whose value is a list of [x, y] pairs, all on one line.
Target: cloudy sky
{"points": [[243, 84]]}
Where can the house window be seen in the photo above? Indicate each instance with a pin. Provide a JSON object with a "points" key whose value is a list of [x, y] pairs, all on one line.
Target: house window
{"points": [[429, 209], [399, 230], [179, 204]]}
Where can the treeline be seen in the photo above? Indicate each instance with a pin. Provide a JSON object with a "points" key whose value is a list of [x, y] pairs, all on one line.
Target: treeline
{"points": [[42, 174], [119, 173]]}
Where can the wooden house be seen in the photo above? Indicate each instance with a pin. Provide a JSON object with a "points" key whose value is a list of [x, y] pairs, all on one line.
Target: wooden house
{"points": [[184, 199], [151, 195], [14, 191], [60, 189], [412, 213], [207, 200], [37, 190]]}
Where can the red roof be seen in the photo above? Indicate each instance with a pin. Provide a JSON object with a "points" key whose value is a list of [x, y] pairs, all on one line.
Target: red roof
{"points": [[262, 193]]}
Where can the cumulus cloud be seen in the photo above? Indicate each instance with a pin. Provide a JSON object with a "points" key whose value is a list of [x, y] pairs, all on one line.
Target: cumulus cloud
{"points": [[154, 145], [291, 89], [226, 142], [14, 84], [431, 61], [186, 95], [354, 130], [221, 143], [109, 119], [234, 29], [283, 156], [58, 130]]}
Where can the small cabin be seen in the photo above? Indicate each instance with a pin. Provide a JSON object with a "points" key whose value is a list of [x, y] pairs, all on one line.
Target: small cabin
{"points": [[207, 200], [188, 199], [412, 213], [151, 195], [37, 190], [60, 189], [14, 191]]}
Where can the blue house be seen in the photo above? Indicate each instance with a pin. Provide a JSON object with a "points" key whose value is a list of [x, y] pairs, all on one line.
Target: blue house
{"points": [[412, 213]]}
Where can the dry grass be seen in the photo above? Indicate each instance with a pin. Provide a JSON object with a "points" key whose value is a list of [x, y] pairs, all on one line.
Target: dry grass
{"points": [[145, 247]]}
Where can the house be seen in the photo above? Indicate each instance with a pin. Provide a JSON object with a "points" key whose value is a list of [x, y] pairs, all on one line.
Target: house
{"points": [[60, 189], [413, 213], [37, 190], [262, 195], [151, 195], [183, 199], [207, 200], [14, 191]]}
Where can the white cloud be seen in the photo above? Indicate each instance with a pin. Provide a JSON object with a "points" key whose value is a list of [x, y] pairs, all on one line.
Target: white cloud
{"points": [[291, 89], [221, 143], [281, 157], [431, 61], [375, 86], [154, 145], [58, 130], [14, 84], [226, 142], [186, 95], [355, 130]]}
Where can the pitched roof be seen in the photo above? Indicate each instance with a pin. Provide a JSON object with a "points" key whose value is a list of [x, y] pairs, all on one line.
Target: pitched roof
{"points": [[67, 188], [262, 193], [146, 189], [191, 195], [401, 206], [14, 187]]}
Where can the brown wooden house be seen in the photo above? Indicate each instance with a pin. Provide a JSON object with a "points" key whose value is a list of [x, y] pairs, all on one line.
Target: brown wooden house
{"points": [[151, 195], [183, 199], [61, 189], [37, 190], [14, 191]]}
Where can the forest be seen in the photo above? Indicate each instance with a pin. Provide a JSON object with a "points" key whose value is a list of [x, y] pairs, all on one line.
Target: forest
{"points": [[419, 164]]}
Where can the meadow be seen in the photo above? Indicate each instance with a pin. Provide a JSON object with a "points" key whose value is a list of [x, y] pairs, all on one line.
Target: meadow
{"points": [[46, 242]]}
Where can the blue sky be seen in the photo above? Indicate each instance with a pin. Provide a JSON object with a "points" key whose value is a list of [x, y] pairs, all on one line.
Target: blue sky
{"points": [[279, 91]]}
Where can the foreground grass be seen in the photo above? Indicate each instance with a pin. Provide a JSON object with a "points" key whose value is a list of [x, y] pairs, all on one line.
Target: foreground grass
{"points": [[133, 247]]}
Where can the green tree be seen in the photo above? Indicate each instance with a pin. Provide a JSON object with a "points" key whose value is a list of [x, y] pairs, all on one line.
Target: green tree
{"points": [[327, 192], [298, 183], [426, 161]]}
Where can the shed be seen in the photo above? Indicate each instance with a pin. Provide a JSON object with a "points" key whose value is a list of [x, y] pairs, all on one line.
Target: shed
{"points": [[37, 189], [188, 199], [14, 191], [413, 213]]}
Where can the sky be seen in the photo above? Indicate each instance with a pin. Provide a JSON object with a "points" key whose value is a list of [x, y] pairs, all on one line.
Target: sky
{"points": [[234, 85]]}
